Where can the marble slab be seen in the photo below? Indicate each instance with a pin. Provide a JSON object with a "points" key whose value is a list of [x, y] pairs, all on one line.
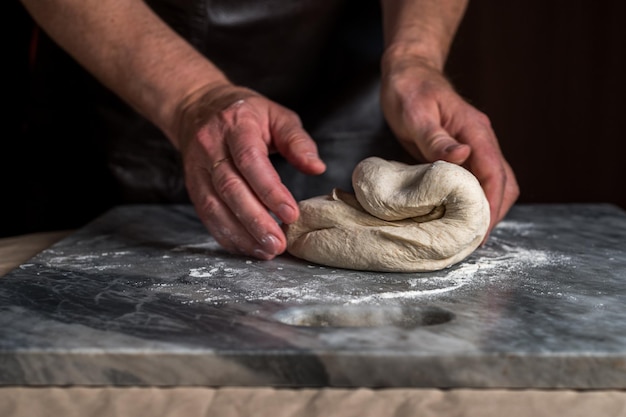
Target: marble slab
{"points": [[143, 296]]}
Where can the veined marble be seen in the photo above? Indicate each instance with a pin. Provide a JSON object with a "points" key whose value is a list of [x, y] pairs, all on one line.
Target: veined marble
{"points": [[144, 296]]}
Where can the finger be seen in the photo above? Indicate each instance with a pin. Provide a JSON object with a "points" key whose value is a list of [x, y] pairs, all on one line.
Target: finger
{"points": [[432, 141], [219, 220], [232, 189], [437, 144], [493, 180], [292, 141], [250, 155], [487, 163], [493, 185], [511, 192]]}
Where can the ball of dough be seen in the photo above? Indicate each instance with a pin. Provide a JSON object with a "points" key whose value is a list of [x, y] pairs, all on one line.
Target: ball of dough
{"points": [[401, 218]]}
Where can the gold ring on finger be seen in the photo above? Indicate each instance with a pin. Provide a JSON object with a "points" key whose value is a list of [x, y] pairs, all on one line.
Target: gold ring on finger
{"points": [[218, 162]]}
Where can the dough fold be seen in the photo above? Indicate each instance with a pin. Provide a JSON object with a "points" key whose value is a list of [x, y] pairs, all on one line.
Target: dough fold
{"points": [[401, 218]]}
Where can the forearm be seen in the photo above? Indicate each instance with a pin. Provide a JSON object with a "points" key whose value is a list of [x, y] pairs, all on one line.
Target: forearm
{"points": [[423, 28], [427, 116], [131, 51]]}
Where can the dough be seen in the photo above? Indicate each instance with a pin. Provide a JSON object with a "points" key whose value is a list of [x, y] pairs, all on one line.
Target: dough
{"points": [[402, 218]]}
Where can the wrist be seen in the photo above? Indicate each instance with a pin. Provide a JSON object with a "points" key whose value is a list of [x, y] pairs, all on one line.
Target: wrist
{"points": [[422, 29], [399, 56]]}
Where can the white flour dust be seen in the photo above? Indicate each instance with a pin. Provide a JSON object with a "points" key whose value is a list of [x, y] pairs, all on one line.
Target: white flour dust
{"points": [[478, 270], [204, 273], [226, 281]]}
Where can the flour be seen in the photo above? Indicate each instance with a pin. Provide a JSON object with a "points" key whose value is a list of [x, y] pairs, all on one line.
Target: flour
{"points": [[480, 270], [206, 245], [502, 261], [204, 273], [516, 227]]}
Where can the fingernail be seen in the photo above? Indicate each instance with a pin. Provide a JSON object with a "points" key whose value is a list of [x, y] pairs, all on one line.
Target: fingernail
{"points": [[270, 244], [452, 148], [287, 213]]}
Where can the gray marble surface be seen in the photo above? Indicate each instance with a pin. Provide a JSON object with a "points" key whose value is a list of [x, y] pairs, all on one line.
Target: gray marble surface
{"points": [[143, 296]]}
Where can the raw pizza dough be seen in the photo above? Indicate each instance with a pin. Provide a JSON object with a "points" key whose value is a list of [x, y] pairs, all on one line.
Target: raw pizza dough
{"points": [[402, 218]]}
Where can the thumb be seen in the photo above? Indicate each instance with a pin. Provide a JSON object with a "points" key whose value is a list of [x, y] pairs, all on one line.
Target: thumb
{"points": [[295, 144], [437, 145]]}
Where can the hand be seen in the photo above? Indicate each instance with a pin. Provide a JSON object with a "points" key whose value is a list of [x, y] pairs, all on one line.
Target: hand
{"points": [[434, 123], [226, 134]]}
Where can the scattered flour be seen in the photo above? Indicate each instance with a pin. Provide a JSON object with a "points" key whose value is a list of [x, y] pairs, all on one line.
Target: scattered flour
{"points": [[203, 273], [290, 281], [480, 269]]}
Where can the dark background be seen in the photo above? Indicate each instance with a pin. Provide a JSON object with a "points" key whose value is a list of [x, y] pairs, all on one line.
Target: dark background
{"points": [[550, 75]]}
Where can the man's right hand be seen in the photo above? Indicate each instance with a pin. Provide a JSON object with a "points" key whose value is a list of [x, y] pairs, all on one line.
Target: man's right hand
{"points": [[225, 136]]}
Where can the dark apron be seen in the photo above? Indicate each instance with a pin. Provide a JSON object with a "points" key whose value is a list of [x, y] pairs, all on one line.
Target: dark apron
{"points": [[319, 58]]}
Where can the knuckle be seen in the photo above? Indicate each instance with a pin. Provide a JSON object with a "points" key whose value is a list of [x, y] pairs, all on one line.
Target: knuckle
{"points": [[483, 119], [246, 156], [514, 189], [271, 195], [288, 114], [432, 143], [434, 139], [294, 118], [229, 187], [209, 208], [295, 139]]}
